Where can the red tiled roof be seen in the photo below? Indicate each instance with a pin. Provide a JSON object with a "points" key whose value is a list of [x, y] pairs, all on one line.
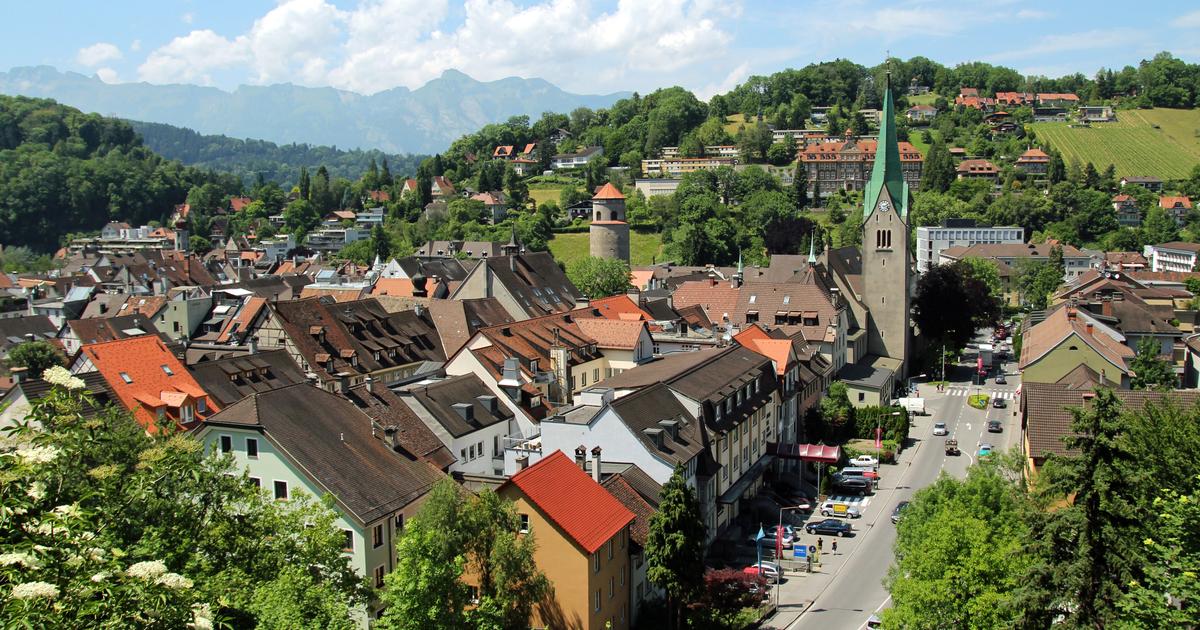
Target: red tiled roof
{"points": [[150, 386], [976, 166], [397, 287], [503, 150], [615, 307], [1168, 202], [1122, 198], [238, 203], [572, 500], [718, 298], [379, 195], [608, 191], [612, 333]]}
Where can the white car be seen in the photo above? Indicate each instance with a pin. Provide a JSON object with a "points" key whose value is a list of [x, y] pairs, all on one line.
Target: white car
{"points": [[864, 461], [939, 428], [837, 508]]}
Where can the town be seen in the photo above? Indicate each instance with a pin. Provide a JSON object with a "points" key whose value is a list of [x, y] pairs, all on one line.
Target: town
{"points": [[901, 346]]}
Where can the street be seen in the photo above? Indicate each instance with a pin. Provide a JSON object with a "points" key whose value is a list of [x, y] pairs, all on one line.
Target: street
{"points": [[849, 587]]}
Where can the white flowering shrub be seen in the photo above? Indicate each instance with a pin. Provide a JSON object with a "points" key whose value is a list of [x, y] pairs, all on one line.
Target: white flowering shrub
{"points": [[102, 525]]}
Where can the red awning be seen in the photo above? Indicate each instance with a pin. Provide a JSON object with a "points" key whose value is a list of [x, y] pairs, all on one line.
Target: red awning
{"points": [[805, 452]]}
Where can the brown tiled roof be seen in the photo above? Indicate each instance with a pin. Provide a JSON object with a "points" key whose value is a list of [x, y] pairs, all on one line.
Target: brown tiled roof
{"points": [[977, 166], [612, 333], [608, 191], [538, 284], [643, 510], [439, 398], [1010, 250], [796, 302], [1047, 417], [333, 441], [1181, 245], [718, 298], [1051, 332], [530, 340], [231, 379], [98, 329], [387, 409], [645, 408]]}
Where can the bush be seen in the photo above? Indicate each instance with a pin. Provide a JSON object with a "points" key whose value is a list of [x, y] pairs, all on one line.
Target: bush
{"points": [[887, 454], [978, 401]]}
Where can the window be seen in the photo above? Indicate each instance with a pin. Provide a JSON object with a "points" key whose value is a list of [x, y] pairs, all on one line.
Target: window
{"points": [[596, 606], [252, 448], [201, 405], [473, 594], [472, 451], [596, 375], [125, 377], [379, 576], [349, 544], [399, 522], [226, 443], [377, 536], [610, 549], [861, 396], [256, 481], [186, 414], [281, 490], [166, 368], [596, 561], [612, 586], [479, 448], [583, 378]]}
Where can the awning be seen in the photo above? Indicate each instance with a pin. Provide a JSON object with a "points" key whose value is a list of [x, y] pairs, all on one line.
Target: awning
{"points": [[806, 452], [739, 487]]}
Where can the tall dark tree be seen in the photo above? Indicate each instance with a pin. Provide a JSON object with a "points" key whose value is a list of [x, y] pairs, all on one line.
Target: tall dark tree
{"points": [[975, 306], [675, 546], [305, 183], [799, 192], [385, 174], [938, 173], [1056, 170]]}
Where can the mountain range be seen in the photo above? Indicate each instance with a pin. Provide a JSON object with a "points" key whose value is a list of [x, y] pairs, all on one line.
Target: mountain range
{"points": [[398, 120]]}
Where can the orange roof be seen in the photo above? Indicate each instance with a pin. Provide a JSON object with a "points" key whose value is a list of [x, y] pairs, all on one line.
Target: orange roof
{"points": [[238, 203], [570, 498], [1058, 326], [146, 376], [717, 297], [396, 287], [608, 191], [1172, 202], [244, 318], [1121, 197], [617, 307], [640, 278], [345, 294], [619, 334]]}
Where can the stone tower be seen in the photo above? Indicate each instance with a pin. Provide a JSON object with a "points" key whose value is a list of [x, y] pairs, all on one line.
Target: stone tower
{"points": [[609, 235], [887, 275]]}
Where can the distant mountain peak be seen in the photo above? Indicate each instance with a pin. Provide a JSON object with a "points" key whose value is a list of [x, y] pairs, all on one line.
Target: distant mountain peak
{"points": [[398, 120]]}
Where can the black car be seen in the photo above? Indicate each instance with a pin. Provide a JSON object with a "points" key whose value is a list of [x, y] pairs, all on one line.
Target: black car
{"points": [[994, 426], [830, 527], [1000, 380], [898, 511], [852, 485], [999, 403]]}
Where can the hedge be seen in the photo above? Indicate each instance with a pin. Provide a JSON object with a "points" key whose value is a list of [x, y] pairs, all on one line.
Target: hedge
{"points": [[978, 401]]}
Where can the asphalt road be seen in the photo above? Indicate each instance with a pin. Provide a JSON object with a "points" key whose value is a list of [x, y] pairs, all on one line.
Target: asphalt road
{"points": [[850, 587]]}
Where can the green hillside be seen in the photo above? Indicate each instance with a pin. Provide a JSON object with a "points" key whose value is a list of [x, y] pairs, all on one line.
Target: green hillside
{"points": [[644, 248], [1159, 142]]}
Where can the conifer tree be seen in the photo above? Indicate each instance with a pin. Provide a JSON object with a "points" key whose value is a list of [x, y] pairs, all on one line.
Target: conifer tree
{"points": [[675, 545]]}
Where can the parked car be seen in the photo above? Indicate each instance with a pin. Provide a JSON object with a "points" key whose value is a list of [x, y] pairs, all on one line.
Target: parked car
{"points": [[830, 527], [939, 428], [864, 461], [837, 508], [999, 403], [985, 450], [898, 511], [995, 426], [766, 570], [852, 485], [1000, 380], [768, 540]]}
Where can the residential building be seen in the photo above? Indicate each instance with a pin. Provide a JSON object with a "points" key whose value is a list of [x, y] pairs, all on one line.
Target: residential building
{"points": [[526, 284], [933, 240], [1137, 312], [675, 167], [1049, 114], [977, 169], [639, 494], [1067, 338], [16, 402], [18, 330], [467, 418], [921, 114], [1128, 213], [1176, 206], [1033, 161], [1060, 100], [576, 160], [847, 165], [494, 204], [1075, 261], [1173, 256], [147, 380], [449, 249], [1014, 99], [1153, 184], [80, 332], [583, 543], [303, 440], [333, 239], [1097, 113], [185, 311], [656, 187], [229, 379]]}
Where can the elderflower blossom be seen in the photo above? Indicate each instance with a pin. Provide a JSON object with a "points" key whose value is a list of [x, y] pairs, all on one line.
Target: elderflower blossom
{"points": [[18, 559], [100, 577], [69, 511], [36, 491], [147, 570], [37, 454], [201, 617], [43, 528], [34, 590], [174, 581], [60, 376]]}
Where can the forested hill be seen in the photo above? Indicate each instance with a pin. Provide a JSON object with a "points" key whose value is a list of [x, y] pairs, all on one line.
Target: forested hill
{"points": [[64, 171], [250, 158]]}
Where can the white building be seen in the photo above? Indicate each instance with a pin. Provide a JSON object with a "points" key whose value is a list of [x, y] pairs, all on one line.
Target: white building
{"points": [[932, 240], [1173, 256]]}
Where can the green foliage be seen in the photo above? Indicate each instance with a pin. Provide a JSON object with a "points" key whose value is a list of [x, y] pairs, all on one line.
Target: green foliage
{"points": [[113, 527], [675, 544], [1174, 554], [938, 172], [599, 277], [975, 304], [1036, 281], [978, 401], [960, 552], [35, 356], [22, 260], [984, 271], [1151, 370]]}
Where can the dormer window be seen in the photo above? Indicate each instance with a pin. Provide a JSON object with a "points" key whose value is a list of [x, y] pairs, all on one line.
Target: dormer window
{"points": [[201, 405], [125, 377], [533, 366]]}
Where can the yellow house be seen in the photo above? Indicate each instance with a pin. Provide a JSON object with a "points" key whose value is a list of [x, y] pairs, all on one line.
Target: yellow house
{"points": [[1070, 337], [582, 535]]}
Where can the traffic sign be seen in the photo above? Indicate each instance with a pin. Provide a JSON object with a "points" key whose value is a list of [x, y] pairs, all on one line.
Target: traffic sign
{"points": [[800, 551]]}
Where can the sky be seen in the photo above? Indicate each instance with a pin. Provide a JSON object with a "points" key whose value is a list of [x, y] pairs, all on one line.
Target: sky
{"points": [[583, 46]]}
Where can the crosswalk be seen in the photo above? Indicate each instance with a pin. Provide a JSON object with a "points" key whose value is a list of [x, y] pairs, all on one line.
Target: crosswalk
{"points": [[995, 393], [851, 500]]}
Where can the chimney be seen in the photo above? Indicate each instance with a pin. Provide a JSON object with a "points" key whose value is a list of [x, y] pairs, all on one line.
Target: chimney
{"points": [[18, 374], [510, 380], [1089, 329], [370, 385], [489, 402], [253, 344], [596, 464], [581, 457], [522, 462], [466, 411], [583, 302]]}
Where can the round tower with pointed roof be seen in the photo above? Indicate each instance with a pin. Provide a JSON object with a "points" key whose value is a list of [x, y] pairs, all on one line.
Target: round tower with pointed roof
{"points": [[609, 233]]}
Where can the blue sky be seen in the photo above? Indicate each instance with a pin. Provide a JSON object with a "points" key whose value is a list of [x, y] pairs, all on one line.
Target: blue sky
{"points": [[587, 46]]}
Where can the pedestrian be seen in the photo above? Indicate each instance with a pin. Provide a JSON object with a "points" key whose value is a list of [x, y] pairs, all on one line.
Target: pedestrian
{"points": [[835, 547], [820, 544]]}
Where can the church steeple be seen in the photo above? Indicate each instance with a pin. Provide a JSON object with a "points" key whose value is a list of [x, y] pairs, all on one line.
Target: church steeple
{"points": [[886, 171]]}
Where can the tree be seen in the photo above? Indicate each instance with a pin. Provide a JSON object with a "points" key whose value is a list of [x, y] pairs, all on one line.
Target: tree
{"points": [[1086, 546], [517, 189], [35, 356], [1035, 281], [975, 305], [1056, 170], [101, 529], [938, 172], [1151, 371], [1159, 226], [1168, 596], [837, 414], [599, 277], [727, 593], [985, 271], [799, 190], [675, 545], [455, 532]]}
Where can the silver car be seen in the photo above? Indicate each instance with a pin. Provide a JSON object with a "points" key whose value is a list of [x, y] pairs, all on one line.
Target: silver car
{"points": [[939, 428]]}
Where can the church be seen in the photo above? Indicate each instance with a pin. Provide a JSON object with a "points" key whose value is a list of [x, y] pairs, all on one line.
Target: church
{"points": [[878, 279]]}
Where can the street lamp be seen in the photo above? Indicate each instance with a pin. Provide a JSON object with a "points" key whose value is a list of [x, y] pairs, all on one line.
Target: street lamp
{"points": [[779, 549]]}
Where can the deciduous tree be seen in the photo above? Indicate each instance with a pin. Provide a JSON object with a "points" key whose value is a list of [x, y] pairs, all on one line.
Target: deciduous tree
{"points": [[675, 545], [599, 277], [35, 356], [1151, 371]]}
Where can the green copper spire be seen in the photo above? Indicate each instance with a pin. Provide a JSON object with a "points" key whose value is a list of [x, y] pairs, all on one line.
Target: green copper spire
{"points": [[887, 171]]}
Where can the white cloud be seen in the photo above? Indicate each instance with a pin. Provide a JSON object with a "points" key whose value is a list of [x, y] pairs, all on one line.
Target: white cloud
{"points": [[1187, 20], [387, 43], [1072, 42], [731, 80], [98, 53], [1032, 14], [107, 75]]}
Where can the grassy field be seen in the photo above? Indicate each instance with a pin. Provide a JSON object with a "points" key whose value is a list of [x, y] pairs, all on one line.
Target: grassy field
{"points": [[923, 99], [1158, 142], [643, 248], [732, 122], [543, 193], [914, 138]]}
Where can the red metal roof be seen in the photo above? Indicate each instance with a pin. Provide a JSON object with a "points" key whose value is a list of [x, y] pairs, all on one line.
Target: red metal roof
{"points": [[573, 500]]}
